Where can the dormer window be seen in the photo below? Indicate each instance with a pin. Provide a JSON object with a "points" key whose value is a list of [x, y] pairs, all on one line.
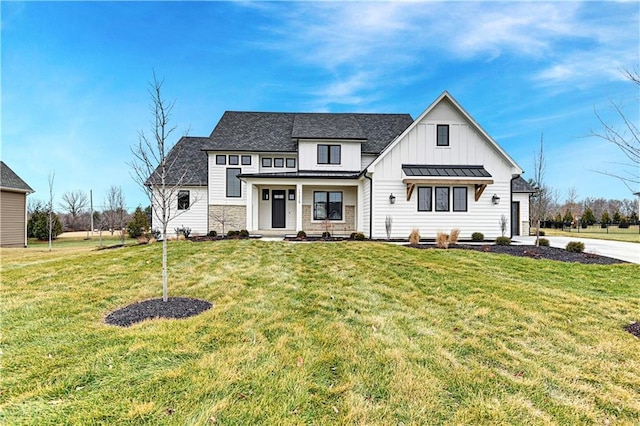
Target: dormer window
{"points": [[328, 154], [443, 135]]}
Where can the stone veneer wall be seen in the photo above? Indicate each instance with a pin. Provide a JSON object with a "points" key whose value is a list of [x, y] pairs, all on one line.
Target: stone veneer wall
{"points": [[235, 218], [340, 228]]}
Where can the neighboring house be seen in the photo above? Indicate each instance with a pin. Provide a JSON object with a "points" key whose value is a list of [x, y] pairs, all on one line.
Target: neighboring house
{"points": [[13, 208], [286, 172]]}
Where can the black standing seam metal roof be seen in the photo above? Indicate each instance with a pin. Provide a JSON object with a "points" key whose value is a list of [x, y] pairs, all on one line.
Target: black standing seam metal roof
{"points": [[10, 180], [426, 170]]}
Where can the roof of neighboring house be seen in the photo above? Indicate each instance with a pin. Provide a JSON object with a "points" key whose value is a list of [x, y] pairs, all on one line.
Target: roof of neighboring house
{"points": [[10, 180], [444, 171], [278, 132], [186, 162], [521, 185]]}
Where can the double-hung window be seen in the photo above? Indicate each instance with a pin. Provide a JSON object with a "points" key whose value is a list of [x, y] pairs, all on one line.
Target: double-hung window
{"points": [[327, 205], [443, 135], [234, 188], [459, 199], [442, 199], [183, 200], [328, 154], [424, 199]]}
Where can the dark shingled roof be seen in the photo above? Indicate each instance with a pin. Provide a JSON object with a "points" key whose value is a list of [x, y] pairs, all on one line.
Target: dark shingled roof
{"points": [[187, 163], [521, 185], [277, 132], [10, 180], [445, 171]]}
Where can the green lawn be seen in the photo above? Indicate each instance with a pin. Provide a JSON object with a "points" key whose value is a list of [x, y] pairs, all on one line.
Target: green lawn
{"points": [[630, 234], [323, 333]]}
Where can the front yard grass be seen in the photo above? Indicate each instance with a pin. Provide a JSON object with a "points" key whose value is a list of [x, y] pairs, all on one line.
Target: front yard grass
{"points": [[327, 333]]}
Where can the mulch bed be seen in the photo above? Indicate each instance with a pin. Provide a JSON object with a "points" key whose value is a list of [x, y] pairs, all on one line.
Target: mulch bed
{"points": [[633, 328], [551, 253], [174, 307]]}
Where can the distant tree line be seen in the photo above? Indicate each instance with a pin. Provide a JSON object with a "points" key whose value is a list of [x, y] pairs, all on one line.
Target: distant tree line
{"points": [[75, 214]]}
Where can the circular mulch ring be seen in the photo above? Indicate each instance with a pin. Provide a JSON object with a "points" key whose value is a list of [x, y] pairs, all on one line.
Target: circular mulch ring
{"points": [[633, 328], [174, 307]]}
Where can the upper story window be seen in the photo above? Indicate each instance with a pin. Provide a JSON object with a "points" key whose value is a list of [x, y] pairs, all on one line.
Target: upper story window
{"points": [[183, 200], [291, 163], [234, 188], [246, 160], [266, 162], [233, 160], [443, 135], [221, 159], [278, 162], [328, 154]]}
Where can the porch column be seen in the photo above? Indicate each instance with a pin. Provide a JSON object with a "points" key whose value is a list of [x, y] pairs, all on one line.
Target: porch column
{"points": [[249, 206], [298, 207]]}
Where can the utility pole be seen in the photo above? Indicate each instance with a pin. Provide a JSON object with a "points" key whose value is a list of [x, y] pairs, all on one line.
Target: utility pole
{"points": [[91, 210]]}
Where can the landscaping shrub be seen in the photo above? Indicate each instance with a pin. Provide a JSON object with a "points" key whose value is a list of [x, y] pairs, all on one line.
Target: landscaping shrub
{"points": [[575, 247], [358, 236], [414, 237], [326, 234], [183, 232], [541, 233], [243, 233], [156, 233], [212, 234], [301, 235], [623, 224], [543, 242], [477, 236], [233, 234], [38, 225], [139, 223], [442, 240], [454, 235], [503, 241]]}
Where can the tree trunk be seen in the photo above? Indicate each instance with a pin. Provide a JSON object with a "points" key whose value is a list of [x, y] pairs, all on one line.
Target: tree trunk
{"points": [[164, 267]]}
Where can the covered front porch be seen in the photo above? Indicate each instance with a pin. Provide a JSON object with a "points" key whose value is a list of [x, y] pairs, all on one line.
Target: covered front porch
{"points": [[278, 206]]}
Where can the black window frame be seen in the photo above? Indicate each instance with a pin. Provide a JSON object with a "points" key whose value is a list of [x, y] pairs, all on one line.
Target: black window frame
{"points": [[329, 157], [266, 162], [429, 192], [245, 160], [229, 181], [278, 160], [443, 142], [327, 205], [465, 198], [221, 160], [290, 163], [182, 205], [447, 198], [234, 160]]}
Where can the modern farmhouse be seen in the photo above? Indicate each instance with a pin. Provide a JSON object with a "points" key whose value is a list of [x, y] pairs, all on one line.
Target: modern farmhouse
{"points": [[285, 172]]}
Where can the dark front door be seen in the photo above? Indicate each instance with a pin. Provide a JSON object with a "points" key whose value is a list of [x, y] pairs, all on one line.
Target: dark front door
{"points": [[278, 207], [515, 218]]}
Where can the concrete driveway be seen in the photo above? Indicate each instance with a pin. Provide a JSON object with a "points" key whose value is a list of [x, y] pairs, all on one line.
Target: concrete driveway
{"points": [[616, 249]]}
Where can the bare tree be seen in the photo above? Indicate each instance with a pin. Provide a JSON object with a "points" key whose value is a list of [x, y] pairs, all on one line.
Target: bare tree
{"points": [[74, 203], [541, 199], [626, 136], [153, 169], [222, 217], [52, 175], [115, 212]]}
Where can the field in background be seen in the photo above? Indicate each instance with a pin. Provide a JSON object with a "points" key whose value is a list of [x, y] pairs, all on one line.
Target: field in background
{"points": [[321, 333], [630, 234]]}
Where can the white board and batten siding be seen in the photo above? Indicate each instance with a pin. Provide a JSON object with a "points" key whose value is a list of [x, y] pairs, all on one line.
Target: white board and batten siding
{"points": [[195, 217], [523, 199], [467, 146]]}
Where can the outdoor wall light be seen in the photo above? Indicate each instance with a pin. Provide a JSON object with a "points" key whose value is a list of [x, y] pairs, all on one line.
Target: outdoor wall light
{"points": [[392, 199], [495, 199]]}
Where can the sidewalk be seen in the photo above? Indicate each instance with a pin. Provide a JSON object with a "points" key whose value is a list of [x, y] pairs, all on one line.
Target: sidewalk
{"points": [[629, 252]]}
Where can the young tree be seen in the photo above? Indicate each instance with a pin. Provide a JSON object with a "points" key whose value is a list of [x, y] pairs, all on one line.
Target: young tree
{"points": [[50, 213], [154, 170], [139, 224], [626, 136], [542, 198]]}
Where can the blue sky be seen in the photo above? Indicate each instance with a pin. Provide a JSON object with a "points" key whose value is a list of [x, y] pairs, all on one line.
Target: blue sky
{"points": [[75, 76]]}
